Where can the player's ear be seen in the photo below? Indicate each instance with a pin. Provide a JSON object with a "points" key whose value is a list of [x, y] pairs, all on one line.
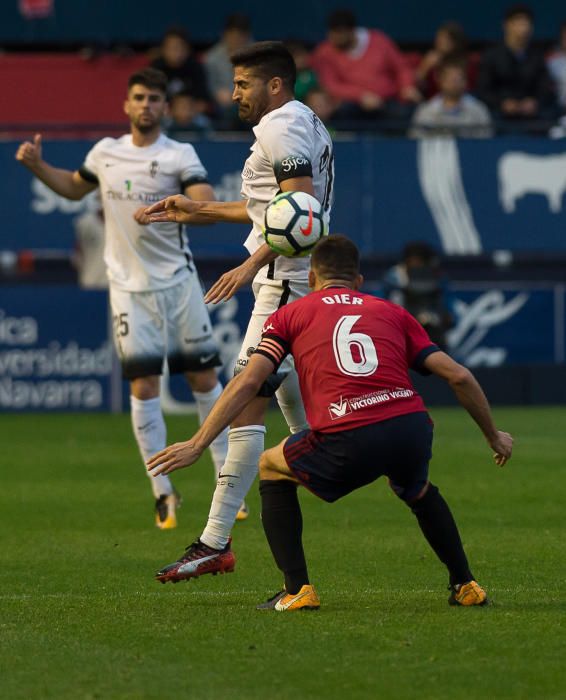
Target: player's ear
{"points": [[275, 85], [127, 108], [358, 282], [312, 279]]}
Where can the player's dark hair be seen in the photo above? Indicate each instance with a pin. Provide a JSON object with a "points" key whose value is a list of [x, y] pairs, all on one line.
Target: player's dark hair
{"points": [[269, 59], [336, 257], [150, 78], [519, 10], [341, 19]]}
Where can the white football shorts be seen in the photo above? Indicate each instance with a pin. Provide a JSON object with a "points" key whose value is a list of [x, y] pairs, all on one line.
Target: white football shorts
{"points": [[269, 296], [170, 323]]}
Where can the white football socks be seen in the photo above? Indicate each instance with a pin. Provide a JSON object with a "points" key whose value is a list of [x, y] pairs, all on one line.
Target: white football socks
{"points": [[150, 433], [245, 446], [219, 447], [291, 403]]}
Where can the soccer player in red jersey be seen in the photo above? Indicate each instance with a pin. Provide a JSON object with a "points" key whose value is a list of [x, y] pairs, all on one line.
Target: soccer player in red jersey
{"points": [[353, 353]]}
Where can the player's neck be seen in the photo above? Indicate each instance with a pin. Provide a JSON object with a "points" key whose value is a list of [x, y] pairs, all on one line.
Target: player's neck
{"points": [[143, 140], [279, 103], [327, 284]]}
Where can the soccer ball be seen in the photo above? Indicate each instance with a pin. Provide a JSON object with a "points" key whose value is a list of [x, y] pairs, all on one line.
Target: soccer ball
{"points": [[293, 224]]}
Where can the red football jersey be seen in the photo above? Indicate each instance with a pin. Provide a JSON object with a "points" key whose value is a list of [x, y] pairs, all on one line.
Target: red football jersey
{"points": [[352, 352]]}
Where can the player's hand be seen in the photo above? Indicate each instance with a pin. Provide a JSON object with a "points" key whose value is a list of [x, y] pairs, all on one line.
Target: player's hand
{"points": [[177, 456], [141, 217], [177, 208], [225, 288], [29, 154], [502, 445]]}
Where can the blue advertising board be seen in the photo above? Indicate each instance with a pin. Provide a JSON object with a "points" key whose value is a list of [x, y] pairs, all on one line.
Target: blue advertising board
{"points": [[56, 353], [464, 197]]}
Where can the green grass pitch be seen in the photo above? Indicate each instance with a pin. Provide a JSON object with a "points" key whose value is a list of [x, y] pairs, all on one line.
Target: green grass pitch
{"points": [[81, 617]]}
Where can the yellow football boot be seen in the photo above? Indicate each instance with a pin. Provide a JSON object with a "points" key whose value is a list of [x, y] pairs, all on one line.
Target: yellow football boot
{"points": [[166, 511], [306, 599], [468, 594], [243, 513]]}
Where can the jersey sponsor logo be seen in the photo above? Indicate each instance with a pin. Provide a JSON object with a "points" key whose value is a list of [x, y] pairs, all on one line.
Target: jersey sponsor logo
{"points": [[308, 229], [269, 327], [248, 173], [129, 196], [339, 409], [344, 407]]}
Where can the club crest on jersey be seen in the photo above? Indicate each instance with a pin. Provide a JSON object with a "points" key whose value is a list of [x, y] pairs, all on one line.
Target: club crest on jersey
{"points": [[153, 168], [339, 409]]}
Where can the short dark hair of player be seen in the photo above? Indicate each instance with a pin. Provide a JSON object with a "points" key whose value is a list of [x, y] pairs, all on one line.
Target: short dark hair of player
{"points": [[150, 78], [519, 10], [341, 19], [336, 257], [269, 59]]}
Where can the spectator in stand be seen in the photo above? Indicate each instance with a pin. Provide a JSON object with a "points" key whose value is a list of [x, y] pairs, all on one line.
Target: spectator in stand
{"points": [[306, 77], [449, 43], [184, 115], [513, 80], [363, 70], [183, 70], [557, 68], [219, 69], [321, 104], [417, 283], [453, 112]]}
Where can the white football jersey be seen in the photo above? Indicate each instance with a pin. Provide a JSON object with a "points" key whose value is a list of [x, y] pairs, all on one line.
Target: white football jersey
{"points": [[291, 141], [142, 258]]}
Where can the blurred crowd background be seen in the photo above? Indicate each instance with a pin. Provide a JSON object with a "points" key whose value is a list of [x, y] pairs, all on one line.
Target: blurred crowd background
{"points": [[495, 74]]}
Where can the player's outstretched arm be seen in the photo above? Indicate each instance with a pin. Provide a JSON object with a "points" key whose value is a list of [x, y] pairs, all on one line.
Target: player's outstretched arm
{"points": [[470, 395], [200, 192], [227, 285], [66, 183], [183, 210], [236, 396]]}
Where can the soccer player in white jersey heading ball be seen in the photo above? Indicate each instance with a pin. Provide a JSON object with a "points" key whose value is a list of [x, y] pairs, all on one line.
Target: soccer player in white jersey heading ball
{"points": [[292, 151], [157, 302]]}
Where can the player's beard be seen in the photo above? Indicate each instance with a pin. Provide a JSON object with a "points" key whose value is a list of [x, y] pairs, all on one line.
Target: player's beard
{"points": [[145, 125], [252, 112]]}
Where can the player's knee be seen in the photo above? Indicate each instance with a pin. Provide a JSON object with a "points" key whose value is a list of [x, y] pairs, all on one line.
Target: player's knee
{"points": [[265, 466], [427, 497], [412, 494], [203, 382], [145, 388]]}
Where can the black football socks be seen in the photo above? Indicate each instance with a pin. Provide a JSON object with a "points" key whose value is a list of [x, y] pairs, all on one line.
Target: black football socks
{"points": [[283, 526], [439, 528]]}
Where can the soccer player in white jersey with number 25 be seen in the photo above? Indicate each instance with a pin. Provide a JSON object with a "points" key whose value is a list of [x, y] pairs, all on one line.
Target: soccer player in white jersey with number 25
{"points": [[292, 151], [157, 303]]}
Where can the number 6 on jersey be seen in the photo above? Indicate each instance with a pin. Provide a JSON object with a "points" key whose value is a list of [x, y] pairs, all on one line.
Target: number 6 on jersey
{"points": [[355, 353]]}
